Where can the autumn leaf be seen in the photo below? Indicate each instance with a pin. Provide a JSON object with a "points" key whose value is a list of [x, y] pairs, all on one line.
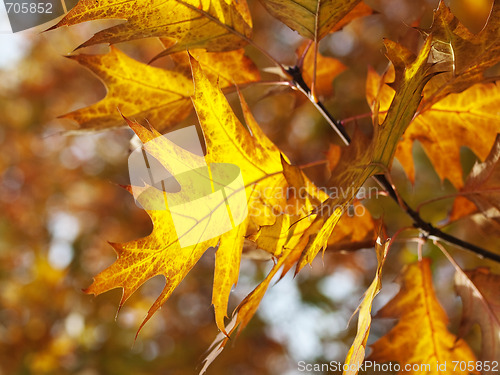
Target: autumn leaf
{"points": [[420, 336], [327, 69], [312, 19], [464, 55], [146, 93], [160, 253], [479, 292], [451, 109], [356, 353], [445, 127], [217, 25], [458, 120]]}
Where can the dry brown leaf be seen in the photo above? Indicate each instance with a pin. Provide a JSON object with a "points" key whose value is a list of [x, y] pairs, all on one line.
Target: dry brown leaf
{"points": [[479, 292], [483, 184]]}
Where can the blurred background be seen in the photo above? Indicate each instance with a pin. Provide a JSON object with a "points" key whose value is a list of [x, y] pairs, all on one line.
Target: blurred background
{"points": [[60, 202]]}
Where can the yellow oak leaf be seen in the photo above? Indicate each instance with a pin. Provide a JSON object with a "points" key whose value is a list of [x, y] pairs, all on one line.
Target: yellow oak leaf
{"points": [[479, 292], [227, 141], [420, 336], [216, 25], [146, 93], [356, 353], [443, 128], [312, 19]]}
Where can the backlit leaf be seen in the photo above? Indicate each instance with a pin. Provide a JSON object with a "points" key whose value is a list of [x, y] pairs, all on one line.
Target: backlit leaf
{"points": [[146, 93], [465, 55], [464, 119], [160, 253], [356, 353], [420, 335], [216, 25]]}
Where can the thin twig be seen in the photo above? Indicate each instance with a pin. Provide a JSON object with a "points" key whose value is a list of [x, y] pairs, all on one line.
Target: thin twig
{"points": [[237, 33], [456, 194]]}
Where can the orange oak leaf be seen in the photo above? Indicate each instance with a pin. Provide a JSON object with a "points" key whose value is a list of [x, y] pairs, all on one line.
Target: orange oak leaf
{"points": [[356, 353], [327, 68], [463, 55], [479, 292], [146, 93], [463, 119], [217, 25], [420, 336]]}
